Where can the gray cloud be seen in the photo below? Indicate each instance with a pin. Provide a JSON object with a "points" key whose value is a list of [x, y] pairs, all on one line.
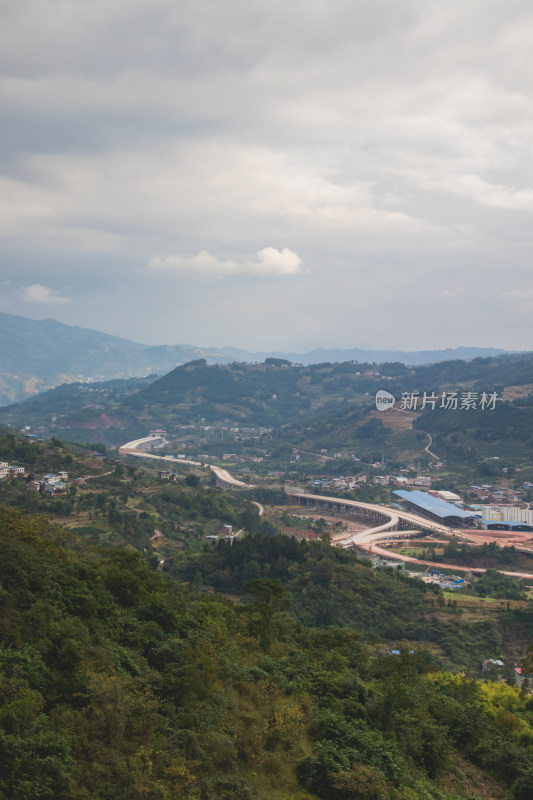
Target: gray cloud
{"points": [[387, 144]]}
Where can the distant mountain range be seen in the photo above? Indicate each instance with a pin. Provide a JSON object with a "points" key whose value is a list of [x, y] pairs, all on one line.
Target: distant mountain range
{"points": [[36, 355], [39, 355], [321, 355]]}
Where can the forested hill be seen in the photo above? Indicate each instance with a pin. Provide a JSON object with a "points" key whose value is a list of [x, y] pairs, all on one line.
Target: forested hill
{"points": [[118, 683], [239, 382], [36, 355], [273, 395], [258, 394]]}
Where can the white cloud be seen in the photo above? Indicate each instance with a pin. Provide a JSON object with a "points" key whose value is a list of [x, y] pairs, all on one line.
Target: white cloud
{"points": [[36, 293], [269, 262]]}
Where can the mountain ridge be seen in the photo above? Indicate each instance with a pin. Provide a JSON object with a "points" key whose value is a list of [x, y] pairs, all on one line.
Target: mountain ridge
{"points": [[37, 355]]}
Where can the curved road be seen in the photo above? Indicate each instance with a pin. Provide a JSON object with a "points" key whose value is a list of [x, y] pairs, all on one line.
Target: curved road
{"points": [[411, 559], [366, 539], [224, 478], [426, 448]]}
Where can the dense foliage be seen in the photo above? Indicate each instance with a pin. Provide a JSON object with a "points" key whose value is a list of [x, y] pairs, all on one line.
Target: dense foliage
{"points": [[329, 586], [118, 683]]}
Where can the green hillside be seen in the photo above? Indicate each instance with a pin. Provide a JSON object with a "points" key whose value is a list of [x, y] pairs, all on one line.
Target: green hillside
{"points": [[245, 394], [322, 406], [506, 432], [116, 682]]}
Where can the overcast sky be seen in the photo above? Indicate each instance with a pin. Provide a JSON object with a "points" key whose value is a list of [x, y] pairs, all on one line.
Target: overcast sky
{"points": [[270, 174]]}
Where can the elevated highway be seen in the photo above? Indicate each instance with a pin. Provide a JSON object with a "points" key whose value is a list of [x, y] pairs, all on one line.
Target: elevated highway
{"points": [[141, 448], [392, 524], [225, 480], [146, 444], [385, 524], [388, 519]]}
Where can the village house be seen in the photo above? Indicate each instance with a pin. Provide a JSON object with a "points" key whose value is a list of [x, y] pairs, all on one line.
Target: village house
{"points": [[52, 489], [167, 475], [422, 480], [492, 668], [399, 480], [523, 681]]}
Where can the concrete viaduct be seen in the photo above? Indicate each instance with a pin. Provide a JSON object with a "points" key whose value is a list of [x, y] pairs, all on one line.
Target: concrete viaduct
{"points": [[142, 448], [386, 524]]}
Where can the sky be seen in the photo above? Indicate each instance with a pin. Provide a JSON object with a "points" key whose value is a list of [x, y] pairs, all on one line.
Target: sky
{"points": [[270, 175]]}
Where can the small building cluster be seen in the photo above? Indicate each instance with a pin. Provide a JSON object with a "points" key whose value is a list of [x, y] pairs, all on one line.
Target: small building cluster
{"points": [[339, 483], [53, 484], [424, 481], [226, 534], [488, 493], [10, 471], [447, 582], [505, 517]]}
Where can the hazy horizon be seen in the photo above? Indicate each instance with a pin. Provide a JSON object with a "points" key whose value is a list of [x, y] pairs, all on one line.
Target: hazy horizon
{"points": [[365, 346]]}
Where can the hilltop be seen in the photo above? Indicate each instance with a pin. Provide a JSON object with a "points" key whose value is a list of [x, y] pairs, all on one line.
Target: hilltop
{"points": [[311, 408], [36, 355]]}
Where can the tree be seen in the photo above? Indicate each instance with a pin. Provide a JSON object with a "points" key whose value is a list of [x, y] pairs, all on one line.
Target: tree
{"points": [[250, 520], [527, 661], [522, 788], [496, 584], [270, 597]]}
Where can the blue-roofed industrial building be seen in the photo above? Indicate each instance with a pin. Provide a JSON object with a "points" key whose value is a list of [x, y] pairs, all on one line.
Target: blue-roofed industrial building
{"points": [[507, 525], [438, 510]]}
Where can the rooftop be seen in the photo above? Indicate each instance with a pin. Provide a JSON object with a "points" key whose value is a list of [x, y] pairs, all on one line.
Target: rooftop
{"points": [[433, 505]]}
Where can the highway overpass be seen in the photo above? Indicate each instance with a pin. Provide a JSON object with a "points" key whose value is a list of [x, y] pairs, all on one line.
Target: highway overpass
{"points": [[392, 523], [384, 523], [385, 519]]}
